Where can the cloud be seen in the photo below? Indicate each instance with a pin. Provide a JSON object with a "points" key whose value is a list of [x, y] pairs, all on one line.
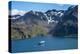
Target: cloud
{"points": [[16, 11]]}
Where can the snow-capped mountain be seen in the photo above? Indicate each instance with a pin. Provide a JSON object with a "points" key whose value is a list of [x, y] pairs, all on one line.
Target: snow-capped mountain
{"points": [[51, 16], [68, 24], [53, 22]]}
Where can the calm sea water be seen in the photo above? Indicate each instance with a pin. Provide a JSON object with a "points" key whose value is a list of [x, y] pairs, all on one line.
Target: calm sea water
{"points": [[51, 43]]}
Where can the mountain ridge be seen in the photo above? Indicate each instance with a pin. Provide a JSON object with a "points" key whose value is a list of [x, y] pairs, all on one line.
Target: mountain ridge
{"points": [[52, 22]]}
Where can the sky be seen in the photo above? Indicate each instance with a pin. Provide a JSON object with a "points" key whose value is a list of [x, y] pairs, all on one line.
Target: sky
{"points": [[27, 6], [21, 7]]}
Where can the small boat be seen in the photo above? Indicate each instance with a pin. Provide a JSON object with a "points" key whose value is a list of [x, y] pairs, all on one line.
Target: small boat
{"points": [[41, 43]]}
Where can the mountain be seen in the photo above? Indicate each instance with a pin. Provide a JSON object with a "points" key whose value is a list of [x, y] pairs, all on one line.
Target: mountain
{"points": [[69, 23], [55, 13], [50, 15], [52, 22]]}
